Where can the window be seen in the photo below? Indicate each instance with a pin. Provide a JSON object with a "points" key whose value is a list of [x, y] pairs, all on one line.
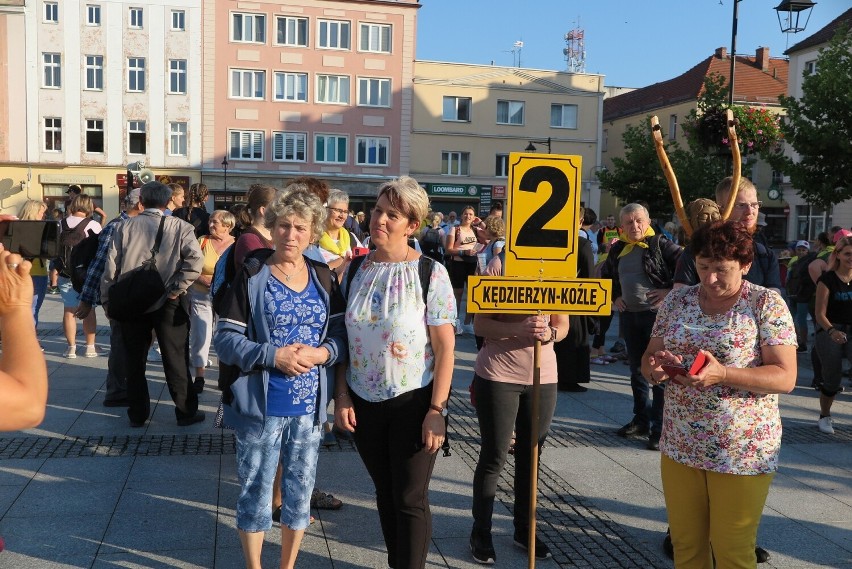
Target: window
{"points": [[457, 109], [249, 28], [501, 167], [246, 144], [136, 18], [93, 15], [53, 134], [291, 31], [178, 20], [376, 38], [51, 12], [136, 74], [136, 143], [330, 148], [52, 70], [177, 76], [605, 141], [373, 92], [333, 89], [177, 139], [810, 67], [248, 84], [334, 34], [455, 163], [672, 127], [291, 87], [289, 146], [563, 116], [95, 72], [94, 135], [372, 150], [510, 112]]}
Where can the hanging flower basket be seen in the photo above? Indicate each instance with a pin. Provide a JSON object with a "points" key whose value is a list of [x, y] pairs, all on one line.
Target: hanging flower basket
{"points": [[758, 130]]}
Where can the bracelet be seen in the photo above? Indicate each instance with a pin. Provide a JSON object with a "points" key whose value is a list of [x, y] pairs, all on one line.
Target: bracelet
{"points": [[830, 330], [341, 395]]}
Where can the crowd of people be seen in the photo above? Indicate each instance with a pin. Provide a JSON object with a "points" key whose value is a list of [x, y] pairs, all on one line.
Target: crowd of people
{"points": [[333, 323]]}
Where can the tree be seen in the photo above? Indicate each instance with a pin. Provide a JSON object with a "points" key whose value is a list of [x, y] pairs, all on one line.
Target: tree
{"points": [[819, 127]]}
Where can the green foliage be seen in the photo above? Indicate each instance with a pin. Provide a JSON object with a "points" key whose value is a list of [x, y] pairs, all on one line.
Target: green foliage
{"points": [[819, 128]]}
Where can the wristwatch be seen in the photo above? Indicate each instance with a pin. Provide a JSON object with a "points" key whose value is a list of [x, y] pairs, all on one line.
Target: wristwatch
{"points": [[442, 410]]}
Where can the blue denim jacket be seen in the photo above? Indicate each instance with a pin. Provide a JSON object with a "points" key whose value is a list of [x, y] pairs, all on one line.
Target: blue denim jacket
{"points": [[242, 339]]}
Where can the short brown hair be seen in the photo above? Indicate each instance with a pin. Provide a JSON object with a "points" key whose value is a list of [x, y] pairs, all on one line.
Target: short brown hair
{"points": [[724, 241]]}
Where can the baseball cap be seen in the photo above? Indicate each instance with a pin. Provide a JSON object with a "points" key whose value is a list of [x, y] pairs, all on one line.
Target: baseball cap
{"points": [[841, 234], [74, 188], [133, 196], [803, 243]]}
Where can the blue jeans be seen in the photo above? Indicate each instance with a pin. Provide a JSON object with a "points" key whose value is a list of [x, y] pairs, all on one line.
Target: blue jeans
{"points": [[647, 410], [39, 291], [294, 441]]}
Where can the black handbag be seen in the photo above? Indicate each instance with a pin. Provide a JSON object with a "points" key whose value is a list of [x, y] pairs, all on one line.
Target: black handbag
{"points": [[134, 295]]}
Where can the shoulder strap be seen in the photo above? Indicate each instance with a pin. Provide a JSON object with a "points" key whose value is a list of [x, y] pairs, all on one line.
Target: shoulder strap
{"points": [[159, 238], [424, 268], [354, 265], [323, 274]]}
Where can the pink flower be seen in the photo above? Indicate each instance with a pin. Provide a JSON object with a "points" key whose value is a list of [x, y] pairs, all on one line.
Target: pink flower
{"points": [[759, 131], [399, 350], [724, 141]]}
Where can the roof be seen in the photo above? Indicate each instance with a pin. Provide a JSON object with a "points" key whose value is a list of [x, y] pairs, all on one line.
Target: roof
{"points": [[823, 35], [752, 85]]}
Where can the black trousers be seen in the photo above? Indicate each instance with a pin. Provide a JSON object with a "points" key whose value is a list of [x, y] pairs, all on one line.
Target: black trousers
{"points": [[171, 322], [390, 441], [501, 407]]}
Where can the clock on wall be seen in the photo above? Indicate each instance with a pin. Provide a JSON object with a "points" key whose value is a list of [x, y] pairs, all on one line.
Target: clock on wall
{"points": [[774, 193]]}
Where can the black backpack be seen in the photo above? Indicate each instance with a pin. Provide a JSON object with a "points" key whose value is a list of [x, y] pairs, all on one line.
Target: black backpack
{"points": [[431, 245], [77, 248], [800, 286]]}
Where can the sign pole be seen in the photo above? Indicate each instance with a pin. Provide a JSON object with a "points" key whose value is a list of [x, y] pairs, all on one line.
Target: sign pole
{"points": [[534, 420]]}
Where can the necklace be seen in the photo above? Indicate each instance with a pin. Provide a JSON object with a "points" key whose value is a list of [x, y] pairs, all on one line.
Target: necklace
{"points": [[845, 279], [288, 278]]}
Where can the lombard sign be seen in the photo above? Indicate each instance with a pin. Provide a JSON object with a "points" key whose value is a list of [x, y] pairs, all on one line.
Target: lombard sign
{"points": [[453, 190]]}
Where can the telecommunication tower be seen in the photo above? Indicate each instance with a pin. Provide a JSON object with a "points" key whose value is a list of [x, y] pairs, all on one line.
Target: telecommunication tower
{"points": [[575, 52]]}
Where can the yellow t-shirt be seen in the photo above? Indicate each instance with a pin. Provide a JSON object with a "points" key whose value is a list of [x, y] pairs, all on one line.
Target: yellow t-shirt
{"points": [[39, 268], [210, 259]]}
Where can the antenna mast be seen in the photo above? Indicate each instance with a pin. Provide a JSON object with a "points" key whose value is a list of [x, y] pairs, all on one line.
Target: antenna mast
{"points": [[575, 52]]}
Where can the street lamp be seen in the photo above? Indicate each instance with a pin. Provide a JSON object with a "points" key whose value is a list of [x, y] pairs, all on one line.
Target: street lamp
{"points": [[792, 11], [225, 169], [531, 146]]}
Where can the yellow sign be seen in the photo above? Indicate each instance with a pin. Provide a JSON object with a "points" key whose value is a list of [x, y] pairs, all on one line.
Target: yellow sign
{"points": [[585, 297], [542, 227]]}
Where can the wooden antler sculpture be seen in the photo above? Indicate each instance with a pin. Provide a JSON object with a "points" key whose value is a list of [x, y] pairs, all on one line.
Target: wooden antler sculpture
{"points": [[669, 174], [737, 173]]}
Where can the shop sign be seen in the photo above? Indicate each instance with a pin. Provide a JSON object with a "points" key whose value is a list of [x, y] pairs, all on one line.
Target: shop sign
{"points": [[453, 190]]}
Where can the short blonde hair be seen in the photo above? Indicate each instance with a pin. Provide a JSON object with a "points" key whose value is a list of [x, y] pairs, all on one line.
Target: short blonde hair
{"points": [[81, 204], [496, 226], [227, 218], [406, 195], [302, 203], [723, 188], [30, 210]]}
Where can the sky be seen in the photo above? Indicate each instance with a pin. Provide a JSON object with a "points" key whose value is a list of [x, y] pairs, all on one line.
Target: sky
{"points": [[634, 43]]}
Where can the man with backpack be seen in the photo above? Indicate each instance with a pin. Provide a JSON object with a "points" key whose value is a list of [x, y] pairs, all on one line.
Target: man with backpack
{"points": [[800, 286], [77, 231], [432, 239]]}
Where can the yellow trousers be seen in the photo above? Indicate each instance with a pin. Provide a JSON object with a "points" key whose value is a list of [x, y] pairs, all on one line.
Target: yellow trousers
{"points": [[707, 508]]}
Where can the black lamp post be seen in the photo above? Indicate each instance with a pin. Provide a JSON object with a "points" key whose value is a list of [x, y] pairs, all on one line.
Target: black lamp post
{"points": [[792, 12], [225, 170], [531, 146]]}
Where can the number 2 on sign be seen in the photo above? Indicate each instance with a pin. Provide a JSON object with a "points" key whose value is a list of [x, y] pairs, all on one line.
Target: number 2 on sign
{"points": [[533, 233]]}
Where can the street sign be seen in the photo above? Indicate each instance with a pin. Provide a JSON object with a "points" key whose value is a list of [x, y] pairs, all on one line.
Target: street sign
{"points": [[542, 224], [502, 295]]}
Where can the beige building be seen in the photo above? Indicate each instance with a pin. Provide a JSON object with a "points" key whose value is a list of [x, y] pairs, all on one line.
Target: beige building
{"points": [[760, 80], [466, 119]]}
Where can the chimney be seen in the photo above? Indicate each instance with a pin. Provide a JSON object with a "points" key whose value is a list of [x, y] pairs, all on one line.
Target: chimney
{"points": [[721, 52], [763, 58]]}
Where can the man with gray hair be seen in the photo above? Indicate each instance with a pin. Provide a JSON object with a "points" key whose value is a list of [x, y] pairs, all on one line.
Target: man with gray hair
{"points": [[179, 261], [116, 381], [641, 265]]}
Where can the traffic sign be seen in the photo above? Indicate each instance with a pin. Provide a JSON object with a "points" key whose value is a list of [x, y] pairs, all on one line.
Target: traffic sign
{"points": [[542, 226], [584, 297]]}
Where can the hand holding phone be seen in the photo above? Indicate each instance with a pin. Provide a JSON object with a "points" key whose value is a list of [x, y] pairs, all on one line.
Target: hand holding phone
{"points": [[360, 251], [675, 370]]}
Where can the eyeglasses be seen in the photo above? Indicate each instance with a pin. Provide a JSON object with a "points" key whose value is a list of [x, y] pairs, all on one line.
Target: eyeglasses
{"points": [[337, 210], [752, 205]]}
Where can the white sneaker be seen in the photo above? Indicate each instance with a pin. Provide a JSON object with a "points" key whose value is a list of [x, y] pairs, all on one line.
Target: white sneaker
{"points": [[91, 352], [825, 425], [154, 354], [71, 352]]}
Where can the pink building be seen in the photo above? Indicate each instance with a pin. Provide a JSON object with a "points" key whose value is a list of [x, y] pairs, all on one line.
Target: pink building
{"points": [[307, 87]]}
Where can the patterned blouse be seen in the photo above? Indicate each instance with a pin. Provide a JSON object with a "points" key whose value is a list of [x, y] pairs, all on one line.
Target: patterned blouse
{"points": [[389, 348], [721, 428]]}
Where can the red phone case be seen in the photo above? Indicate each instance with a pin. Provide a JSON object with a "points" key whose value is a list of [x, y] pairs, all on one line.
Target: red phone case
{"points": [[697, 364], [360, 251]]}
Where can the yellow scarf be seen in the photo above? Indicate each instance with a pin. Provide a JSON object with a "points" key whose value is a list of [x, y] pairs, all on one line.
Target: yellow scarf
{"points": [[340, 248], [629, 247]]}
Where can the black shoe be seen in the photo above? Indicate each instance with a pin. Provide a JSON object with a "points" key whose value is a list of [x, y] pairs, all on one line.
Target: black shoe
{"points": [[276, 515], [541, 549], [187, 421], [482, 549], [654, 441], [632, 429], [572, 387], [117, 402], [136, 424], [761, 554], [198, 384], [668, 548]]}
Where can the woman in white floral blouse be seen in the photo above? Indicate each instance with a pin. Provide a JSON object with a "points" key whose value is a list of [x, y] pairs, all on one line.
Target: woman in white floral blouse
{"points": [[721, 427], [394, 395]]}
